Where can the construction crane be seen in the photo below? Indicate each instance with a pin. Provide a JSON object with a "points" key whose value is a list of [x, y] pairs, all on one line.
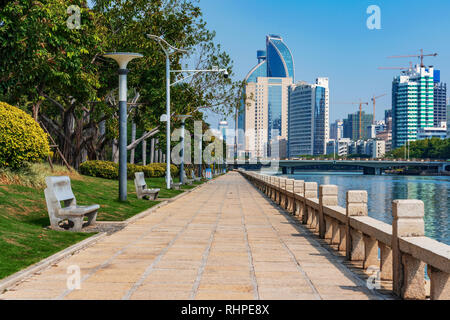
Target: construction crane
{"points": [[397, 68], [420, 56], [360, 114], [374, 99]]}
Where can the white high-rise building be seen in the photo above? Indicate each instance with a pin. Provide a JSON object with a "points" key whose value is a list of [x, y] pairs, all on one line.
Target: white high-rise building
{"points": [[267, 103], [308, 118], [412, 104]]}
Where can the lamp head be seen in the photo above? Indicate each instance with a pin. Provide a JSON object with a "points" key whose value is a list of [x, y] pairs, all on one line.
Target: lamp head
{"points": [[225, 74], [183, 117], [122, 58]]}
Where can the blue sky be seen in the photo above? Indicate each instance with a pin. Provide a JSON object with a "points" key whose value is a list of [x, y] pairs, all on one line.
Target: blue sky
{"points": [[329, 38]]}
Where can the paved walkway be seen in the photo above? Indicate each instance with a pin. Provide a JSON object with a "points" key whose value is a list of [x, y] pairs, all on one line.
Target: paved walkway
{"points": [[224, 240]]}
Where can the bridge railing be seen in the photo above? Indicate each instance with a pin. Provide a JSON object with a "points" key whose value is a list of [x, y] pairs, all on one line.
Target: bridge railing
{"points": [[399, 253]]}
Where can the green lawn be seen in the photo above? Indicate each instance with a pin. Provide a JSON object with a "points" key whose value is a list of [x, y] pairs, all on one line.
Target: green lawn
{"points": [[23, 218]]}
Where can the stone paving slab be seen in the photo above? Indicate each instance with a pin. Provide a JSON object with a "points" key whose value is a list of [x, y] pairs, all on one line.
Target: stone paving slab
{"points": [[224, 240]]}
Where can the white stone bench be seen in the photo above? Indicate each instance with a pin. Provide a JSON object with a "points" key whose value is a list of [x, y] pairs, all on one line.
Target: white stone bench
{"points": [[141, 188], [176, 186], [194, 177], [186, 180], [71, 216]]}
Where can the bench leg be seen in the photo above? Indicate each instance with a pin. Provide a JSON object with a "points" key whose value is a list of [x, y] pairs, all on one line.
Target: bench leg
{"points": [[92, 218], [77, 224], [153, 196]]}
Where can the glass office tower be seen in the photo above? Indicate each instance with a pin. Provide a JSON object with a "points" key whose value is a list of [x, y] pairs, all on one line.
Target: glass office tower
{"points": [[279, 58], [264, 113]]}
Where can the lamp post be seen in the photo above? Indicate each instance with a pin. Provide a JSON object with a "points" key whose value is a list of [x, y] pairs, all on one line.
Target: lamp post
{"points": [[183, 120], [168, 51], [122, 58]]}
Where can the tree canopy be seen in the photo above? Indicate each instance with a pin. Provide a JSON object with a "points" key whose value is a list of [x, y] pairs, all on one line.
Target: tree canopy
{"points": [[58, 74], [433, 148]]}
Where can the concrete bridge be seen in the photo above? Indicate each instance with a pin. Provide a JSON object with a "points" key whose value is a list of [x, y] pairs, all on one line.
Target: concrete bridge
{"points": [[369, 166]]}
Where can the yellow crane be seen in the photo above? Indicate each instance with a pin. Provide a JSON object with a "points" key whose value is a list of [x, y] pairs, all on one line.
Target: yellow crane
{"points": [[360, 103], [374, 99]]}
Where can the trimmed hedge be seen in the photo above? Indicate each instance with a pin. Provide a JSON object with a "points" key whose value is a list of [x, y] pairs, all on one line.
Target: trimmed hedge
{"points": [[21, 138], [110, 170]]}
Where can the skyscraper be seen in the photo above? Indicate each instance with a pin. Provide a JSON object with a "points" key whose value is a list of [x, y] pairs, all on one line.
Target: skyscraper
{"points": [[308, 118], [412, 104], [264, 113], [351, 126], [280, 63], [337, 130], [440, 99], [223, 126]]}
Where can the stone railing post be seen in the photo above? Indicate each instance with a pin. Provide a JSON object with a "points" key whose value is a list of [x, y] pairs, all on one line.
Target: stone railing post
{"points": [[440, 284], [385, 261], [408, 272], [356, 206], [282, 199], [310, 193], [290, 195], [328, 196], [299, 189]]}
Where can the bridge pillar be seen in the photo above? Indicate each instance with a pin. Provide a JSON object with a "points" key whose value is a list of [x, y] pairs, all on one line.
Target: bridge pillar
{"points": [[284, 170], [369, 171], [292, 170]]}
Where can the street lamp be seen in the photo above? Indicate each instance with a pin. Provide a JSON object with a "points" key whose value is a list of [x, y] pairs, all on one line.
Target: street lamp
{"points": [[170, 50], [122, 58], [183, 120]]}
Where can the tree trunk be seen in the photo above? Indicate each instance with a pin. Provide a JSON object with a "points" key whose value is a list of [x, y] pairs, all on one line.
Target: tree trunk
{"points": [[152, 150], [133, 138], [115, 151], [144, 152]]}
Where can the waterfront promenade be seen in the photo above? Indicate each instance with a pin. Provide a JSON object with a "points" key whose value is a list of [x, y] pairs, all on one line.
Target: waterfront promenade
{"points": [[224, 240]]}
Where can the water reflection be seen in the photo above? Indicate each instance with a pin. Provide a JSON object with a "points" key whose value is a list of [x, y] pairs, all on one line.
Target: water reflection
{"points": [[433, 191]]}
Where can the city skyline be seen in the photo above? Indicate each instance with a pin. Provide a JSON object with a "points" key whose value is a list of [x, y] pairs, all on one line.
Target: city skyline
{"points": [[339, 47]]}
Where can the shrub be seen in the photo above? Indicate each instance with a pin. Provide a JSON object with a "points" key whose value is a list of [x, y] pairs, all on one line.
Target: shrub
{"points": [[110, 170], [101, 169], [21, 138]]}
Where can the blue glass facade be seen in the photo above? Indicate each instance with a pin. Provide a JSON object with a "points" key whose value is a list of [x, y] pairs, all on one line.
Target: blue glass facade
{"points": [[259, 71], [274, 119], [280, 62], [319, 119]]}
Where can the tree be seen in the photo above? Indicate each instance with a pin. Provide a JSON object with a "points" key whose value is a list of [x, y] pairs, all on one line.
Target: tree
{"points": [[60, 76]]}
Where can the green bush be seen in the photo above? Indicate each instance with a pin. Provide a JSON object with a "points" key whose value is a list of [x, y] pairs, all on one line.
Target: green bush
{"points": [[101, 169], [21, 138], [110, 170]]}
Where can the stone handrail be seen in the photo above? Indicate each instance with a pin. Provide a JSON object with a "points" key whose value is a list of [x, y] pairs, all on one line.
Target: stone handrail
{"points": [[399, 252]]}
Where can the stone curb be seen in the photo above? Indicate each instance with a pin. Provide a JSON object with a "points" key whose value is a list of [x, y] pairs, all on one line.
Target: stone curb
{"points": [[34, 268], [29, 271]]}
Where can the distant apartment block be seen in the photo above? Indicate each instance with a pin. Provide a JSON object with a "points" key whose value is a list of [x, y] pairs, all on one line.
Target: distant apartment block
{"points": [[338, 147], [440, 100], [308, 120], [352, 126], [337, 130], [433, 132]]}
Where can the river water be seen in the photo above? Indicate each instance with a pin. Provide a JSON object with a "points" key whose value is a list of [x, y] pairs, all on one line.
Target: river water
{"points": [[381, 190]]}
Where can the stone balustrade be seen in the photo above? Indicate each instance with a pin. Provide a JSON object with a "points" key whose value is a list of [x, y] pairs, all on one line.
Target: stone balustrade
{"points": [[399, 252]]}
